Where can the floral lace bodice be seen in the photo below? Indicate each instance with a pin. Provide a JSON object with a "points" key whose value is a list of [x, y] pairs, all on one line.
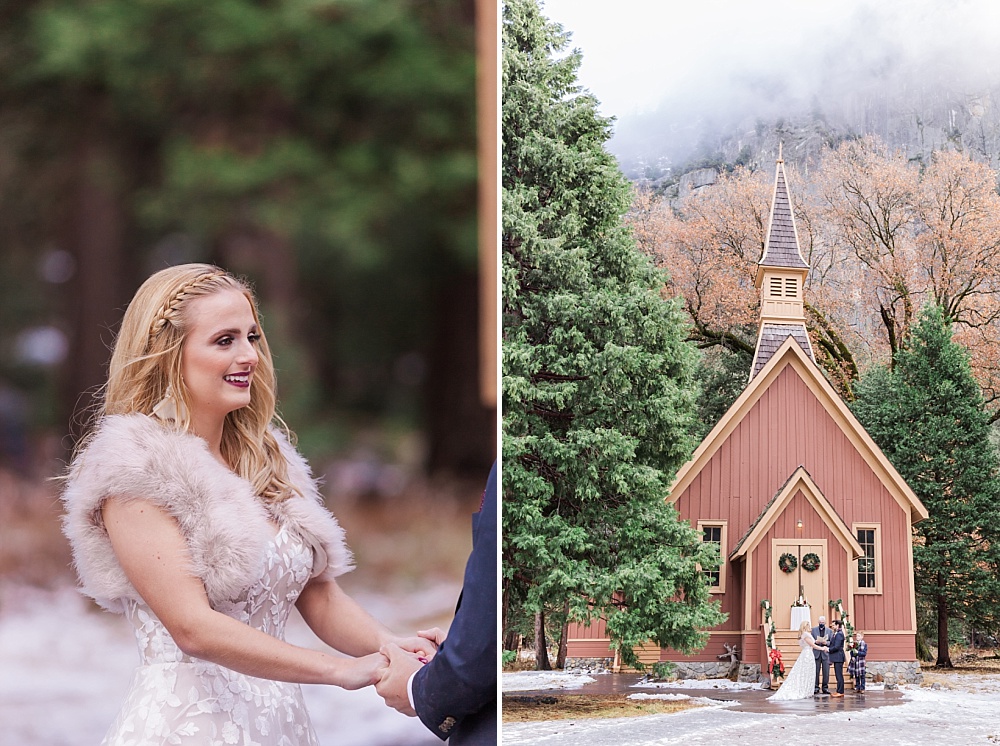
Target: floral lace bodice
{"points": [[178, 699], [265, 606]]}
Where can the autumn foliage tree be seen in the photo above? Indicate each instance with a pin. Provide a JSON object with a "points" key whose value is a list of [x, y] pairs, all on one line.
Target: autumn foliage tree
{"points": [[882, 234]]}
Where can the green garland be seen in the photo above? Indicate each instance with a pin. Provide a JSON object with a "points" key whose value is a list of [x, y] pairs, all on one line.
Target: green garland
{"points": [[810, 563], [769, 639], [788, 562], [838, 606]]}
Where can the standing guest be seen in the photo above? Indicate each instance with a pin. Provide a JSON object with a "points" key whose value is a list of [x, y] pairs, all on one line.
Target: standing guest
{"points": [[821, 634], [858, 662], [455, 694], [190, 513], [837, 656]]}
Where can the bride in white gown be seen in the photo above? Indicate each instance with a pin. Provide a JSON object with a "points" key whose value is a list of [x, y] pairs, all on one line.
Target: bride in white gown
{"points": [[190, 512], [800, 681]]}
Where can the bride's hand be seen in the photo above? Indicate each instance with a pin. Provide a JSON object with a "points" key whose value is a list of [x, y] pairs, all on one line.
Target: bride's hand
{"points": [[358, 673]]}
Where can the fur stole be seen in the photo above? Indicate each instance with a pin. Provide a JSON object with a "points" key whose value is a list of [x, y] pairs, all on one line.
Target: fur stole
{"points": [[226, 527]]}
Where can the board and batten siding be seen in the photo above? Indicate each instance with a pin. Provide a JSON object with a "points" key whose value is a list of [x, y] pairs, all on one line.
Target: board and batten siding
{"points": [[788, 427]]}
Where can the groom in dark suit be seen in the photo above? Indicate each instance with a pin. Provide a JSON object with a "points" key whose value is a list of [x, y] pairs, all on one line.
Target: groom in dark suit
{"points": [[822, 657], [455, 694], [837, 655]]}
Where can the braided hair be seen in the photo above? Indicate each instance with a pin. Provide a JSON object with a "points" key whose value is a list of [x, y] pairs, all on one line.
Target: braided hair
{"points": [[146, 364]]}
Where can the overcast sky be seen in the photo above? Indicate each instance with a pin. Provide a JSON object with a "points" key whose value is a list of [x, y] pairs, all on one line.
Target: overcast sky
{"points": [[645, 56]]}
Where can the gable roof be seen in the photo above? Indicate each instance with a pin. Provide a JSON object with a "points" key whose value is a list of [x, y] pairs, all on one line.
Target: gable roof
{"points": [[791, 354], [799, 480], [781, 249]]}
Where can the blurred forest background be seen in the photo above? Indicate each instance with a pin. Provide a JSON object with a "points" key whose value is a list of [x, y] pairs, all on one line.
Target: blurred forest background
{"points": [[326, 150]]}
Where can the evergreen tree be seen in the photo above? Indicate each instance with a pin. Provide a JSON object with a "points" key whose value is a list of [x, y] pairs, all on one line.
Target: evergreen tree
{"points": [[927, 415], [598, 390]]}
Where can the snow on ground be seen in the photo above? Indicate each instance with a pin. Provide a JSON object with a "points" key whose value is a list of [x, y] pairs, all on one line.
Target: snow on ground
{"points": [[697, 700], [65, 665], [967, 714], [523, 681]]}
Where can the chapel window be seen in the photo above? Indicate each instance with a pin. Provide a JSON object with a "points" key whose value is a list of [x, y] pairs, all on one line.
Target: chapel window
{"points": [[713, 534], [866, 563]]}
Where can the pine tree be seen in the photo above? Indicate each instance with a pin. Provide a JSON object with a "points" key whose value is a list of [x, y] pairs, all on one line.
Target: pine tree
{"points": [[927, 415], [598, 389]]}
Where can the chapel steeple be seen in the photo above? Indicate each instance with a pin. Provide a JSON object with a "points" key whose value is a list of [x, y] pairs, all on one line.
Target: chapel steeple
{"points": [[781, 277]]}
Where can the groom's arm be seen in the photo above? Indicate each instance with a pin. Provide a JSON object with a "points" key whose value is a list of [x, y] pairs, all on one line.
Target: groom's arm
{"points": [[461, 679]]}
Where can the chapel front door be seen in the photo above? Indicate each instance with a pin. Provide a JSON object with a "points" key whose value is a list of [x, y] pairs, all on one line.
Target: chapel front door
{"points": [[787, 586]]}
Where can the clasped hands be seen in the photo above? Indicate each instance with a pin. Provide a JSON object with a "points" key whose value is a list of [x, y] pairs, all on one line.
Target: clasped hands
{"points": [[400, 660]]}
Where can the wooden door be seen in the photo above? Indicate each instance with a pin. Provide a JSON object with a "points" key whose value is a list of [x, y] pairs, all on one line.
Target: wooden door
{"points": [[785, 587]]}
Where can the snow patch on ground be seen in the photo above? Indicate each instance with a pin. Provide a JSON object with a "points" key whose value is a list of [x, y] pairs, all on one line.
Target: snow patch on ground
{"points": [[523, 681], [696, 700]]}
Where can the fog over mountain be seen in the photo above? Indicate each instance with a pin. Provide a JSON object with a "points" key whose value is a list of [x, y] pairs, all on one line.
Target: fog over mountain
{"points": [[724, 80]]}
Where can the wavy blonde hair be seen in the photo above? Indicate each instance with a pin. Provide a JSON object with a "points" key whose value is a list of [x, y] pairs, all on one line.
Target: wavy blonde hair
{"points": [[146, 363]]}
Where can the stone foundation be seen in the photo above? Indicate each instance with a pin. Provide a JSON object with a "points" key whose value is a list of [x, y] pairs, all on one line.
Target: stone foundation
{"points": [[894, 673], [589, 665]]}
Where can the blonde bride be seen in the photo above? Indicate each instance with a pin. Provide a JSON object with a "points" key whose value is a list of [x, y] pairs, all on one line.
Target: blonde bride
{"points": [[799, 682]]}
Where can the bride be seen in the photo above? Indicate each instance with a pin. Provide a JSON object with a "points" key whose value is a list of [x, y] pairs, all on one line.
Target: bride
{"points": [[191, 513], [799, 683]]}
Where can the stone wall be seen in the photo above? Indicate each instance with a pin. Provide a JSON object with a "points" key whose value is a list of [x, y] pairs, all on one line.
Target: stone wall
{"points": [[589, 665], [894, 673]]}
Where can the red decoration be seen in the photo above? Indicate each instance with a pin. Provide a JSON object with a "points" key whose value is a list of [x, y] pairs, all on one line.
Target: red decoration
{"points": [[774, 665]]}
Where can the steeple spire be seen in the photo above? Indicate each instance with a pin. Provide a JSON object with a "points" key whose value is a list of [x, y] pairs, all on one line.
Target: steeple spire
{"points": [[781, 276]]}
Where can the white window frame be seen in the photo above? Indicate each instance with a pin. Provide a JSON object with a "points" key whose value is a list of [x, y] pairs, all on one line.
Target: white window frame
{"points": [[723, 543], [877, 590]]}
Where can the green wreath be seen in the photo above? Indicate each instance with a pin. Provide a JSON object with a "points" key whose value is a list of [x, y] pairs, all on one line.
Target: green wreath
{"points": [[810, 563], [788, 562]]}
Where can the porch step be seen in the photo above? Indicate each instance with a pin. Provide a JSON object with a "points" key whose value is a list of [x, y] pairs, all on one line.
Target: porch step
{"points": [[647, 654]]}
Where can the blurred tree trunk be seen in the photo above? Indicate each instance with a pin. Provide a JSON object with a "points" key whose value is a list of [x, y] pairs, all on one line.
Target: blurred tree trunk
{"points": [[93, 230], [461, 430]]}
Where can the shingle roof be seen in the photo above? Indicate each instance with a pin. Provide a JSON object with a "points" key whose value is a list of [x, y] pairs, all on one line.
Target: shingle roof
{"points": [[782, 248], [771, 338]]}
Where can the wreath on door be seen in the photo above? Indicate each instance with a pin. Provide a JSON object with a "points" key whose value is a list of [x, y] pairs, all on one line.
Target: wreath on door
{"points": [[810, 563], [788, 562]]}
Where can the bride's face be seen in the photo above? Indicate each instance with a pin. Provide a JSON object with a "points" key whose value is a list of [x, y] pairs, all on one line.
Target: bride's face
{"points": [[219, 355]]}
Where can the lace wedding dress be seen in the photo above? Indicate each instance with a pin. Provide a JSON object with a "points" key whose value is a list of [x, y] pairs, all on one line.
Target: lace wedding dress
{"points": [[176, 699], [801, 679]]}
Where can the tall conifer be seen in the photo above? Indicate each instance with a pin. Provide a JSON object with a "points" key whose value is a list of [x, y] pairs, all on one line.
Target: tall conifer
{"points": [[598, 389], [928, 417]]}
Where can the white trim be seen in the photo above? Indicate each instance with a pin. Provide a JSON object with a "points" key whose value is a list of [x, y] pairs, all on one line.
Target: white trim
{"points": [[877, 590], [791, 354], [723, 550]]}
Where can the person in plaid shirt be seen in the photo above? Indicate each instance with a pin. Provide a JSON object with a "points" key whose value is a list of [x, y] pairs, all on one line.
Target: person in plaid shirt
{"points": [[857, 665]]}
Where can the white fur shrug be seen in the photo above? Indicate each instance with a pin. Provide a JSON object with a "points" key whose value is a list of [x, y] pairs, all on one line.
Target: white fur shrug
{"points": [[227, 528]]}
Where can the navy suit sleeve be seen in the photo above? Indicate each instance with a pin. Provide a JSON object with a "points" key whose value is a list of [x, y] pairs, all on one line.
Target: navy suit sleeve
{"points": [[460, 682]]}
